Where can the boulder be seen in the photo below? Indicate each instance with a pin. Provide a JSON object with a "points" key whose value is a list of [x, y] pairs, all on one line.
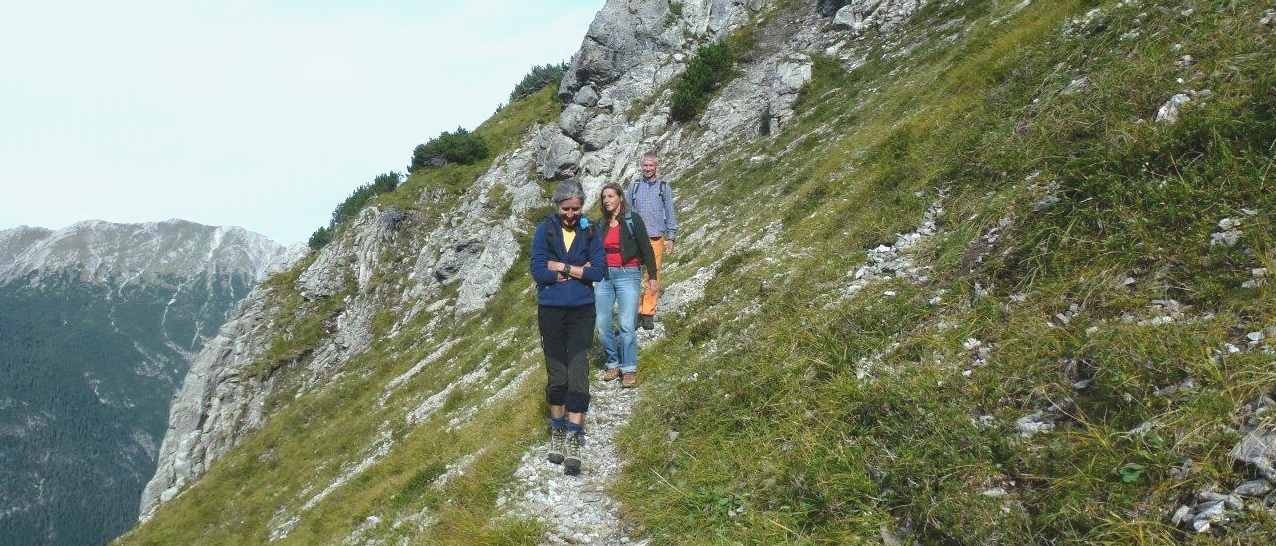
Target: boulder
{"points": [[558, 155], [573, 120], [1258, 449]]}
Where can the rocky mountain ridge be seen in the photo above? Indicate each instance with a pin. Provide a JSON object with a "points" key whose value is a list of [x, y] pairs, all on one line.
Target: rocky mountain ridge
{"points": [[113, 250]]}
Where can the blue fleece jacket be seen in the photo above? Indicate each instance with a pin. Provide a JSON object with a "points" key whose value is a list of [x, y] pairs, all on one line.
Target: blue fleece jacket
{"points": [[547, 245]]}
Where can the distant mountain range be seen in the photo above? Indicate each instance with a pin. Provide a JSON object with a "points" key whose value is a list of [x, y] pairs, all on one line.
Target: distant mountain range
{"points": [[98, 324]]}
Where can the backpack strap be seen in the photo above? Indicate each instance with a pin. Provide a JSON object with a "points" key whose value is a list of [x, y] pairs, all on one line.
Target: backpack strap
{"points": [[629, 221], [661, 189]]}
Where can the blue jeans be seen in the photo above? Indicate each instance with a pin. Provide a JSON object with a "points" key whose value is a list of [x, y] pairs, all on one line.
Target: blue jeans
{"points": [[619, 290]]}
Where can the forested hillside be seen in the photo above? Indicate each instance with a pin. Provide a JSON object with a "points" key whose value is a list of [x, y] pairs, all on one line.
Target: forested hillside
{"points": [[89, 360]]}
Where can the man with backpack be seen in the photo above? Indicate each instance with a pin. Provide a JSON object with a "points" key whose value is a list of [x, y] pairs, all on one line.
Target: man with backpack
{"points": [[652, 199]]}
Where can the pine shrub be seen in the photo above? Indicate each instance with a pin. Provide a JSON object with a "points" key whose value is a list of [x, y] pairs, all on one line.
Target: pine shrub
{"points": [[383, 183], [461, 147], [539, 78], [711, 67]]}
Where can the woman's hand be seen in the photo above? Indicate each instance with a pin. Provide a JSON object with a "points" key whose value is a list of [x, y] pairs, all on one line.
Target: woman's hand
{"points": [[653, 286], [559, 268]]}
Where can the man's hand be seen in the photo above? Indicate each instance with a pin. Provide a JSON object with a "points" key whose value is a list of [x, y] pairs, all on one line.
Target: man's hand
{"points": [[668, 246]]}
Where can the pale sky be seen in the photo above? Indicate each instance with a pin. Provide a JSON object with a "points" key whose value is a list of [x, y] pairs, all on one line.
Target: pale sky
{"points": [[262, 114]]}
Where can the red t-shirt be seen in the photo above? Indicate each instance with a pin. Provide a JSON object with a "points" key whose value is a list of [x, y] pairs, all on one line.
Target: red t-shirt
{"points": [[611, 244]]}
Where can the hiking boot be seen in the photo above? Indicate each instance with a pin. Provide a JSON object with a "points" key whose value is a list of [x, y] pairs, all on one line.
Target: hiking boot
{"points": [[630, 380], [557, 442], [571, 464], [647, 322], [611, 374]]}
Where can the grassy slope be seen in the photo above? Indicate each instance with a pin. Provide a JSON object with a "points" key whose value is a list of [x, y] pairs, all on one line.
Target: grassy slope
{"points": [[778, 438]]}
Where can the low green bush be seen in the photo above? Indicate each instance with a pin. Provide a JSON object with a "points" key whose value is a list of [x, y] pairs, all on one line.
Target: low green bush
{"points": [[462, 147], [539, 78], [705, 73]]}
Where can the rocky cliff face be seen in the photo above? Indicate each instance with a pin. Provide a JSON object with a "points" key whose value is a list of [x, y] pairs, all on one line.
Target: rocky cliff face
{"points": [[616, 92], [632, 51], [100, 322], [388, 260]]}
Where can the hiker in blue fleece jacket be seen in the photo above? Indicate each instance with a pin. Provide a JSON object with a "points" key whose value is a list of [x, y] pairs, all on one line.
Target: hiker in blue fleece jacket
{"points": [[567, 259]]}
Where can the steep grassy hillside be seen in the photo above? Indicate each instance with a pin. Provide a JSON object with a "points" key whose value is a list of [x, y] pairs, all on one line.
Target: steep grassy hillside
{"points": [[974, 292], [1072, 284]]}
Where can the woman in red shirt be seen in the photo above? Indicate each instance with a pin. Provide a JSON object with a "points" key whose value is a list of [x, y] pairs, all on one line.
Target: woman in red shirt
{"points": [[616, 296]]}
